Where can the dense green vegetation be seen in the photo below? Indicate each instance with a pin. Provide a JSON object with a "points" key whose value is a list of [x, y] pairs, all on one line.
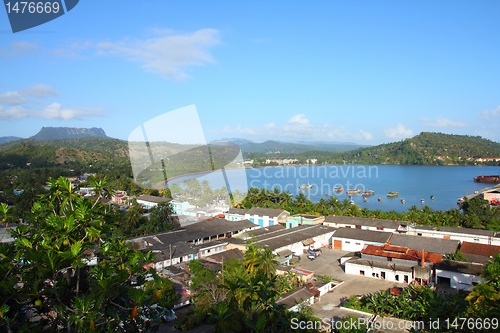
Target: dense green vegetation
{"points": [[475, 213], [242, 298], [423, 149], [50, 283]]}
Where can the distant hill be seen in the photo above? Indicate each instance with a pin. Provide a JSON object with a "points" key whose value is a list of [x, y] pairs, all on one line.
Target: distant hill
{"points": [[58, 133], [273, 147], [6, 139], [427, 148], [31, 153]]}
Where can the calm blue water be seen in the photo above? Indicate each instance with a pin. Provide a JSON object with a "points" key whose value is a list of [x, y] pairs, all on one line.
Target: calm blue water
{"points": [[446, 183]]}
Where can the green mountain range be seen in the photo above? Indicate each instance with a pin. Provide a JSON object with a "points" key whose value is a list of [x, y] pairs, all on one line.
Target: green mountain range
{"points": [[426, 148]]}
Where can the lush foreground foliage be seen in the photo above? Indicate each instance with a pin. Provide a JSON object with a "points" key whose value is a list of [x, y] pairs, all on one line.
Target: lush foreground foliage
{"points": [[242, 298], [65, 272]]}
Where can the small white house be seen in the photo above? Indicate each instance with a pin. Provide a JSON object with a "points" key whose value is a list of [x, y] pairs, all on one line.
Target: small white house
{"points": [[295, 299], [150, 201], [354, 240], [266, 217], [458, 275]]}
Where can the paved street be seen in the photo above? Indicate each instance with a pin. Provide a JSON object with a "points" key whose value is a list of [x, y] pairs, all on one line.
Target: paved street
{"points": [[328, 264]]}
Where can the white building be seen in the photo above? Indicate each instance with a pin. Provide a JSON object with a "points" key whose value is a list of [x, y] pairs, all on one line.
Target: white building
{"points": [[354, 240], [458, 275]]}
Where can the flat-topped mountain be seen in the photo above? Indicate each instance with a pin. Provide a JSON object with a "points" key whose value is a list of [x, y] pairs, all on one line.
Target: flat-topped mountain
{"points": [[58, 133]]}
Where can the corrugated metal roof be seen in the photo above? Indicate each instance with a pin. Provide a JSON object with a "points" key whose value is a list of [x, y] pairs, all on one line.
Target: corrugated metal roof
{"points": [[365, 235], [364, 221], [479, 249], [429, 244], [457, 230], [460, 267], [271, 212]]}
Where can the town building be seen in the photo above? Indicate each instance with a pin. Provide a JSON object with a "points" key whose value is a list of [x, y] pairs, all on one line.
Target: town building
{"points": [[428, 244], [366, 223], [303, 219], [150, 201], [479, 253], [458, 275], [349, 239], [266, 216]]}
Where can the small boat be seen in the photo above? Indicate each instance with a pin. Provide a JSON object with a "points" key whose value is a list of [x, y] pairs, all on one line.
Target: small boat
{"points": [[422, 200], [351, 202], [365, 199], [353, 191], [392, 194], [379, 199], [305, 186], [338, 189], [368, 192], [402, 201], [432, 197]]}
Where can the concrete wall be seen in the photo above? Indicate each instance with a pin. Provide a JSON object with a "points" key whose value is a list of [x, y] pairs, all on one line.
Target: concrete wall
{"points": [[376, 272]]}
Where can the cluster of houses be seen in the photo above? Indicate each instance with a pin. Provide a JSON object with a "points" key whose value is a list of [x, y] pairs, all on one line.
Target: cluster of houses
{"points": [[396, 251]]}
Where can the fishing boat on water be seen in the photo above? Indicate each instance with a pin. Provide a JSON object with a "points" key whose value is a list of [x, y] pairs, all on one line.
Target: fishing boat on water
{"points": [[432, 197], [365, 199], [422, 200], [392, 194], [402, 201], [338, 189], [303, 187], [368, 192], [353, 191], [379, 199]]}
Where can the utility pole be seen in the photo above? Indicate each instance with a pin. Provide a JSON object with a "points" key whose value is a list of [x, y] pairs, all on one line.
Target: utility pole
{"points": [[170, 246]]}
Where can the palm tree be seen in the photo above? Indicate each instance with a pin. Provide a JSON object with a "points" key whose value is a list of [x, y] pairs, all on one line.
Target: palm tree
{"points": [[301, 200], [4, 209], [251, 259], [286, 198], [267, 262], [101, 189]]}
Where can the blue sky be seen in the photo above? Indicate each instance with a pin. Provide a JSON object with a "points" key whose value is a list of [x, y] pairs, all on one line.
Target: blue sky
{"points": [[360, 71]]}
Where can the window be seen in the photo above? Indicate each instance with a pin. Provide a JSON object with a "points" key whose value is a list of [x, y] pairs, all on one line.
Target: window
{"points": [[358, 243], [362, 273], [347, 242], [397, 277], [379, 228], [419, 234]]}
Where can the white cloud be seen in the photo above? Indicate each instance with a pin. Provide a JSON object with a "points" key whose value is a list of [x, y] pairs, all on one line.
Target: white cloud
{"points": [[25, 103], [299, 128], [18, 48], [299, 119], [400, 132], [12, 98], [442, 122], [39, 90], [52, 111], [168, 55], [488, 114], [21, 96], [57, 111]]}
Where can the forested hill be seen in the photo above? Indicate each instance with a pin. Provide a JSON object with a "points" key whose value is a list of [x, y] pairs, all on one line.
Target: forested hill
{"points": [[34, 155], [90, 144], [426, 148]]}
